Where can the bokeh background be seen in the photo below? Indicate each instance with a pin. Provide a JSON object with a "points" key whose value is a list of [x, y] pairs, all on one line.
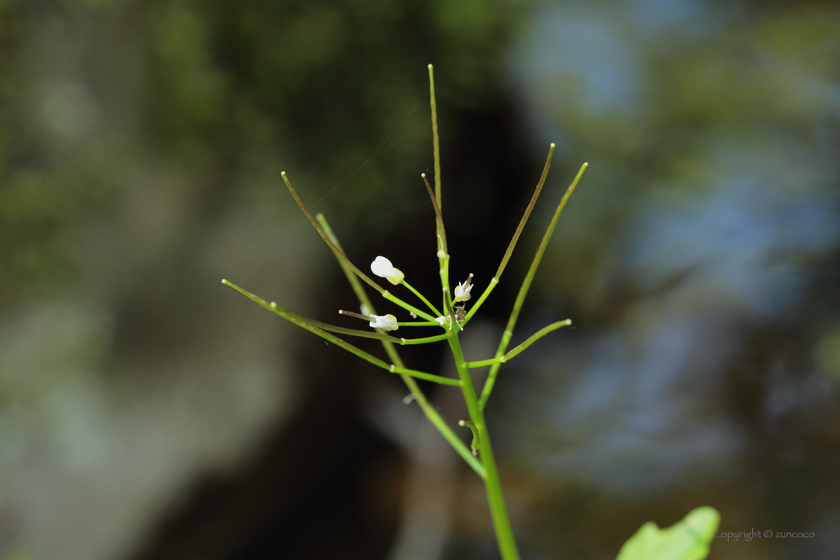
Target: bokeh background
{"points": [[149, 412]]}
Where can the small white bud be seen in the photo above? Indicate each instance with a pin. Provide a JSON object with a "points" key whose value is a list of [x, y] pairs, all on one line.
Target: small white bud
{"points": [[462, 292], [384, 322], [383, 268]]}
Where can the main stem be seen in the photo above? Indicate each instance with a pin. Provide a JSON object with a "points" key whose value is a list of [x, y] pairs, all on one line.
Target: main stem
{"points": [[501, 521]]}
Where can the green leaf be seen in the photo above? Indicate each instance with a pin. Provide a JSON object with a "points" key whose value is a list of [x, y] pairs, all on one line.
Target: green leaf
{"points": [[686, 540]]}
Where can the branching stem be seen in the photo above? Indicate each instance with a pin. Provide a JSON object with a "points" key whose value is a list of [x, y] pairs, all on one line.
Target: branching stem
{"points": [[523, 290], [307, 325], [423, 299], [428, 410], [519, 349], [479, 456]]}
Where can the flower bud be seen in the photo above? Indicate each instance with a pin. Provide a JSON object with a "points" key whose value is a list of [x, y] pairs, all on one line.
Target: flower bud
{"points": [[384, 322], [383, 268], [462, 292]]}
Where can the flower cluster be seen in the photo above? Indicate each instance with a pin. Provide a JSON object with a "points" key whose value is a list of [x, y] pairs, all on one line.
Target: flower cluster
{"points": [[451, 317]]}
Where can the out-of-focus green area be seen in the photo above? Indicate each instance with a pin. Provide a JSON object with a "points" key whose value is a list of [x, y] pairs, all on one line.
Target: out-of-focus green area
{"points": [[141, 145], [687, 540], [218, 94]]}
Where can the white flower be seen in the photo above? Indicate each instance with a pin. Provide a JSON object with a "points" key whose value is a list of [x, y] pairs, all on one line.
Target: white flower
{"points": [[441, 320], [383, 268], [384, 322], [462, 292]]}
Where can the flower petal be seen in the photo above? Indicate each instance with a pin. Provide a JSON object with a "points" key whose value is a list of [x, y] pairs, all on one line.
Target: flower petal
{"points": [[384, 322], [383, 268]]}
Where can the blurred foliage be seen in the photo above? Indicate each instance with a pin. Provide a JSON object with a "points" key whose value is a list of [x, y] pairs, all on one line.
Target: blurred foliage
{"points": [[220, 94], [674, 105], [133, 138], [128, 130], [698, 259], [828, 353], [687, 540]]}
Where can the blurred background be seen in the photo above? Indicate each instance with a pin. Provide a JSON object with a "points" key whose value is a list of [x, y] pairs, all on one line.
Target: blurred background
{"points": [[149, 412]]}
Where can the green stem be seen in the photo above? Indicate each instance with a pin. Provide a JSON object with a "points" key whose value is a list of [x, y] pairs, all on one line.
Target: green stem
{"points": [[423, 299], [515, 238], [493, 486], [358, 289], [428, 339], [305, 324], [474, 445], [438, 201], [435, 418], [391, 297], [519, 349], [481, 298], [523, 290], [444, 280], [428, 410], [526, 215], [435, 138], [426, 376], [339, 254], [438, 215]]}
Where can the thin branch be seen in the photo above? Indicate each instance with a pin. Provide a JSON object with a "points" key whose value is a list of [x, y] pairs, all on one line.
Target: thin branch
{"points": [[476, 441], [443, 261], [428, 410], [452, 317], [410, 341], [519, 349], [526, 215], [516, 234], [357, 315], [307, 325], [442, 229], [391, 297], [423, 299], [427, 376], [358, 289], [435, 137], [523, 290], [338, 252]]}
